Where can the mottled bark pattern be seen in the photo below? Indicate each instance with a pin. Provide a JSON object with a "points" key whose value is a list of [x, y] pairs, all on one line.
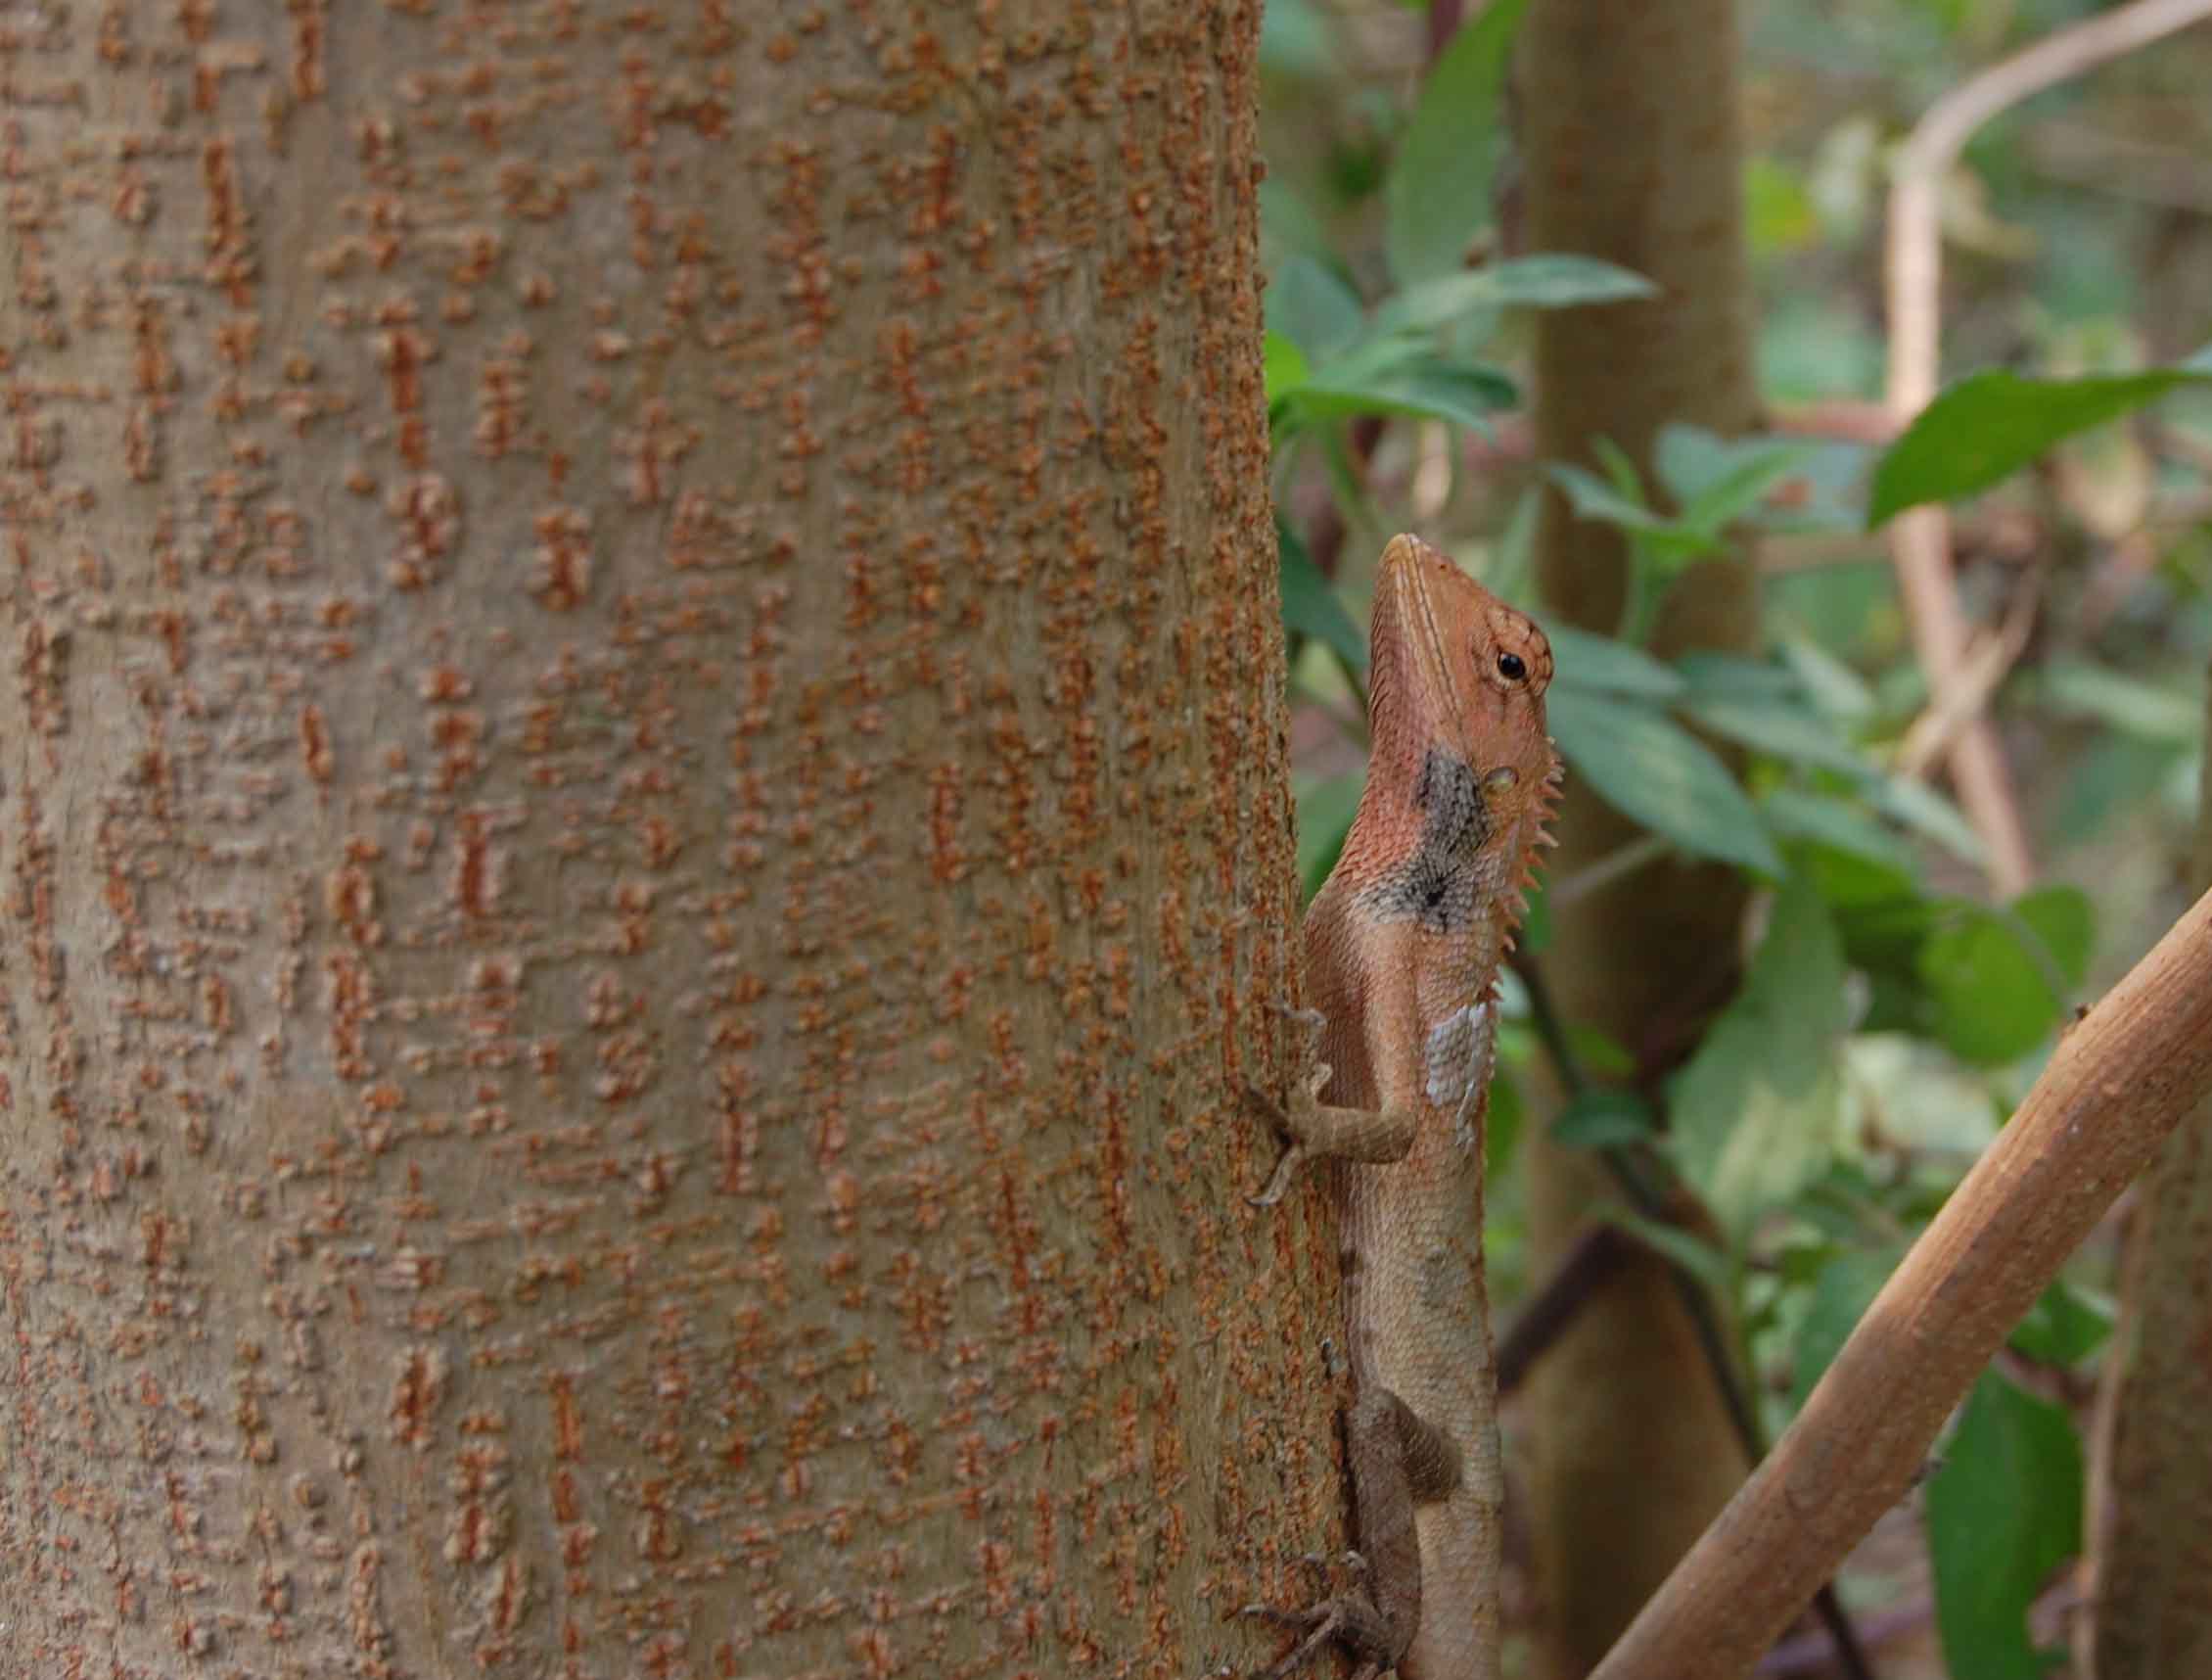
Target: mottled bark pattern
{"points": [[642, 785]]}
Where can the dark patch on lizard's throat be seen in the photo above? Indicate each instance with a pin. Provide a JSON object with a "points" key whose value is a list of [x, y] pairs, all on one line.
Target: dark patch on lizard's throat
{"points": [[1436, 885]]}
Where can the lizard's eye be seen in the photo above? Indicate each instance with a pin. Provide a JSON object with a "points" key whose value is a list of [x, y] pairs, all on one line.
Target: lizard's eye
{"points": [[1512, 667]]}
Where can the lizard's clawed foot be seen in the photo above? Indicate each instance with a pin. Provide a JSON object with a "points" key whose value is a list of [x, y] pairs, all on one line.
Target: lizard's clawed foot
{"points": [[1342, 1618], [1289, 1123]]}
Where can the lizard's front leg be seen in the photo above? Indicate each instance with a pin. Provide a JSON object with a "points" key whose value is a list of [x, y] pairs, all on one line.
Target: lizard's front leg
{"points": [[1321, 1131]]}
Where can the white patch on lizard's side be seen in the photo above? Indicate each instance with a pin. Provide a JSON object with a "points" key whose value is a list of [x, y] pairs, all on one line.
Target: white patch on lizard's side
{"points": [[1456, 1065]]}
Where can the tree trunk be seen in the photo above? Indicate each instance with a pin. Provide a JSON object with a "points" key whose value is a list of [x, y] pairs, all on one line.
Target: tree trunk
{"points": [[1630, 127], [644, 816], [2152, 1602]]}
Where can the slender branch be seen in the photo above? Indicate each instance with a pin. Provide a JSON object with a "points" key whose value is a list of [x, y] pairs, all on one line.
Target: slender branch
{"points": [[1920, 540], [2117, 1083], [2170, 177], [1596, 1256], [1935, 731], [1808, 1654]]}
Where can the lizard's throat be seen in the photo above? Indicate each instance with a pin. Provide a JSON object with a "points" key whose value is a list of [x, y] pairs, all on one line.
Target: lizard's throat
{"points": [[1439, 883]]}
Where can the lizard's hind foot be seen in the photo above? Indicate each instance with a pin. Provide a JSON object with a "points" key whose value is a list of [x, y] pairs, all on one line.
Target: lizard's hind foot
{"points": [[1350, 1618]]}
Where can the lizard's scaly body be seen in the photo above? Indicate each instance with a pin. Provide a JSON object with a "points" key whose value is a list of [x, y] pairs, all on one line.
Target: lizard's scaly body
{"points": [[1403, 946]]}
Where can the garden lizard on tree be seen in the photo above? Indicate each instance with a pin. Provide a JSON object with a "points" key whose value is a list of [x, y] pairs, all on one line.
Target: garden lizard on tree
{"points": [[1401, 951]]}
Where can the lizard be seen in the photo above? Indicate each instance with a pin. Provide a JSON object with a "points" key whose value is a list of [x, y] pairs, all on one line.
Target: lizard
{"points": [[1402, 948]]}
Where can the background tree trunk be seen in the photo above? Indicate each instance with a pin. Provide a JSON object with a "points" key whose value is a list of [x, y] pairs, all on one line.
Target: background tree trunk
{"points": [[1630, 126], [643, 802], [2151, 1600]]}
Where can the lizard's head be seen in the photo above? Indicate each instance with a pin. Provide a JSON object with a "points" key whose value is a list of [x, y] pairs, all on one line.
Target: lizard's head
{"points": [[1456, 670]]}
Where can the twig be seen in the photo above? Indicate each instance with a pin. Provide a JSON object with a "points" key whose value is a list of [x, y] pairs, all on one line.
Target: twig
{"points": [[1846, 418], [1987, 662], [1920, 540], [2114, 1088], [1807, 1653], [2168, 176], [1596, 1256]]}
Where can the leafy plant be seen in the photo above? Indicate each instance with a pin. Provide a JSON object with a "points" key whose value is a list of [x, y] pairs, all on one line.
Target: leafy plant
{"points": [[1890, 1011], [1714, 482]]}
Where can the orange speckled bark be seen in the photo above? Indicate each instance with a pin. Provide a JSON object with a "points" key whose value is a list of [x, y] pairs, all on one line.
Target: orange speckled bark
{"points": [[642, 791]]}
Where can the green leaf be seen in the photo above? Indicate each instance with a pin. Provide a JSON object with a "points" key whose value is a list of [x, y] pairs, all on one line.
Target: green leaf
{"points": [[1324, 817], [1282, 366], [1288, 225], [1603, 1117], [1582, 659], [1557, 280], [1990, 989], [1501, 1127], [1599, 1053], [1835, 688], [1536, 921], [1515, 552], [1402, 377], [2064, 1328], [1437, 197], [1313, 307], [1618, 468], [1692, 1254], [1743, 490], [2108, 780], [2064, 920], [1755, 1111], [1881, 912], [1841, 1293], [1714, 675], [1716, 481], [2004, 1511], [1532, 282], [1990, 423], [1296, 40], [1782, 731], [2127, 703], [1592, 498], [1919, 807], [1649, 768], [1849, 885], [1838, 822], [1311, 606]]}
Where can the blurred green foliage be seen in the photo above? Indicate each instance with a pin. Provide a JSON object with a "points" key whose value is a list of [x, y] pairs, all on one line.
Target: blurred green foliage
{"points": [[1893, 1010]]}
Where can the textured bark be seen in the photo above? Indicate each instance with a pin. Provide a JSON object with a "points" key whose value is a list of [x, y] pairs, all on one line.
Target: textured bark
{"points": [[1631, 129], [2150, 1606], [642, 805]]}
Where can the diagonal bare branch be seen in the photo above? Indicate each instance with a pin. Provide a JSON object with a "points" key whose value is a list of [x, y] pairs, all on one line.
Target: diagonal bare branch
{"points": [[2117, 1083]]}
